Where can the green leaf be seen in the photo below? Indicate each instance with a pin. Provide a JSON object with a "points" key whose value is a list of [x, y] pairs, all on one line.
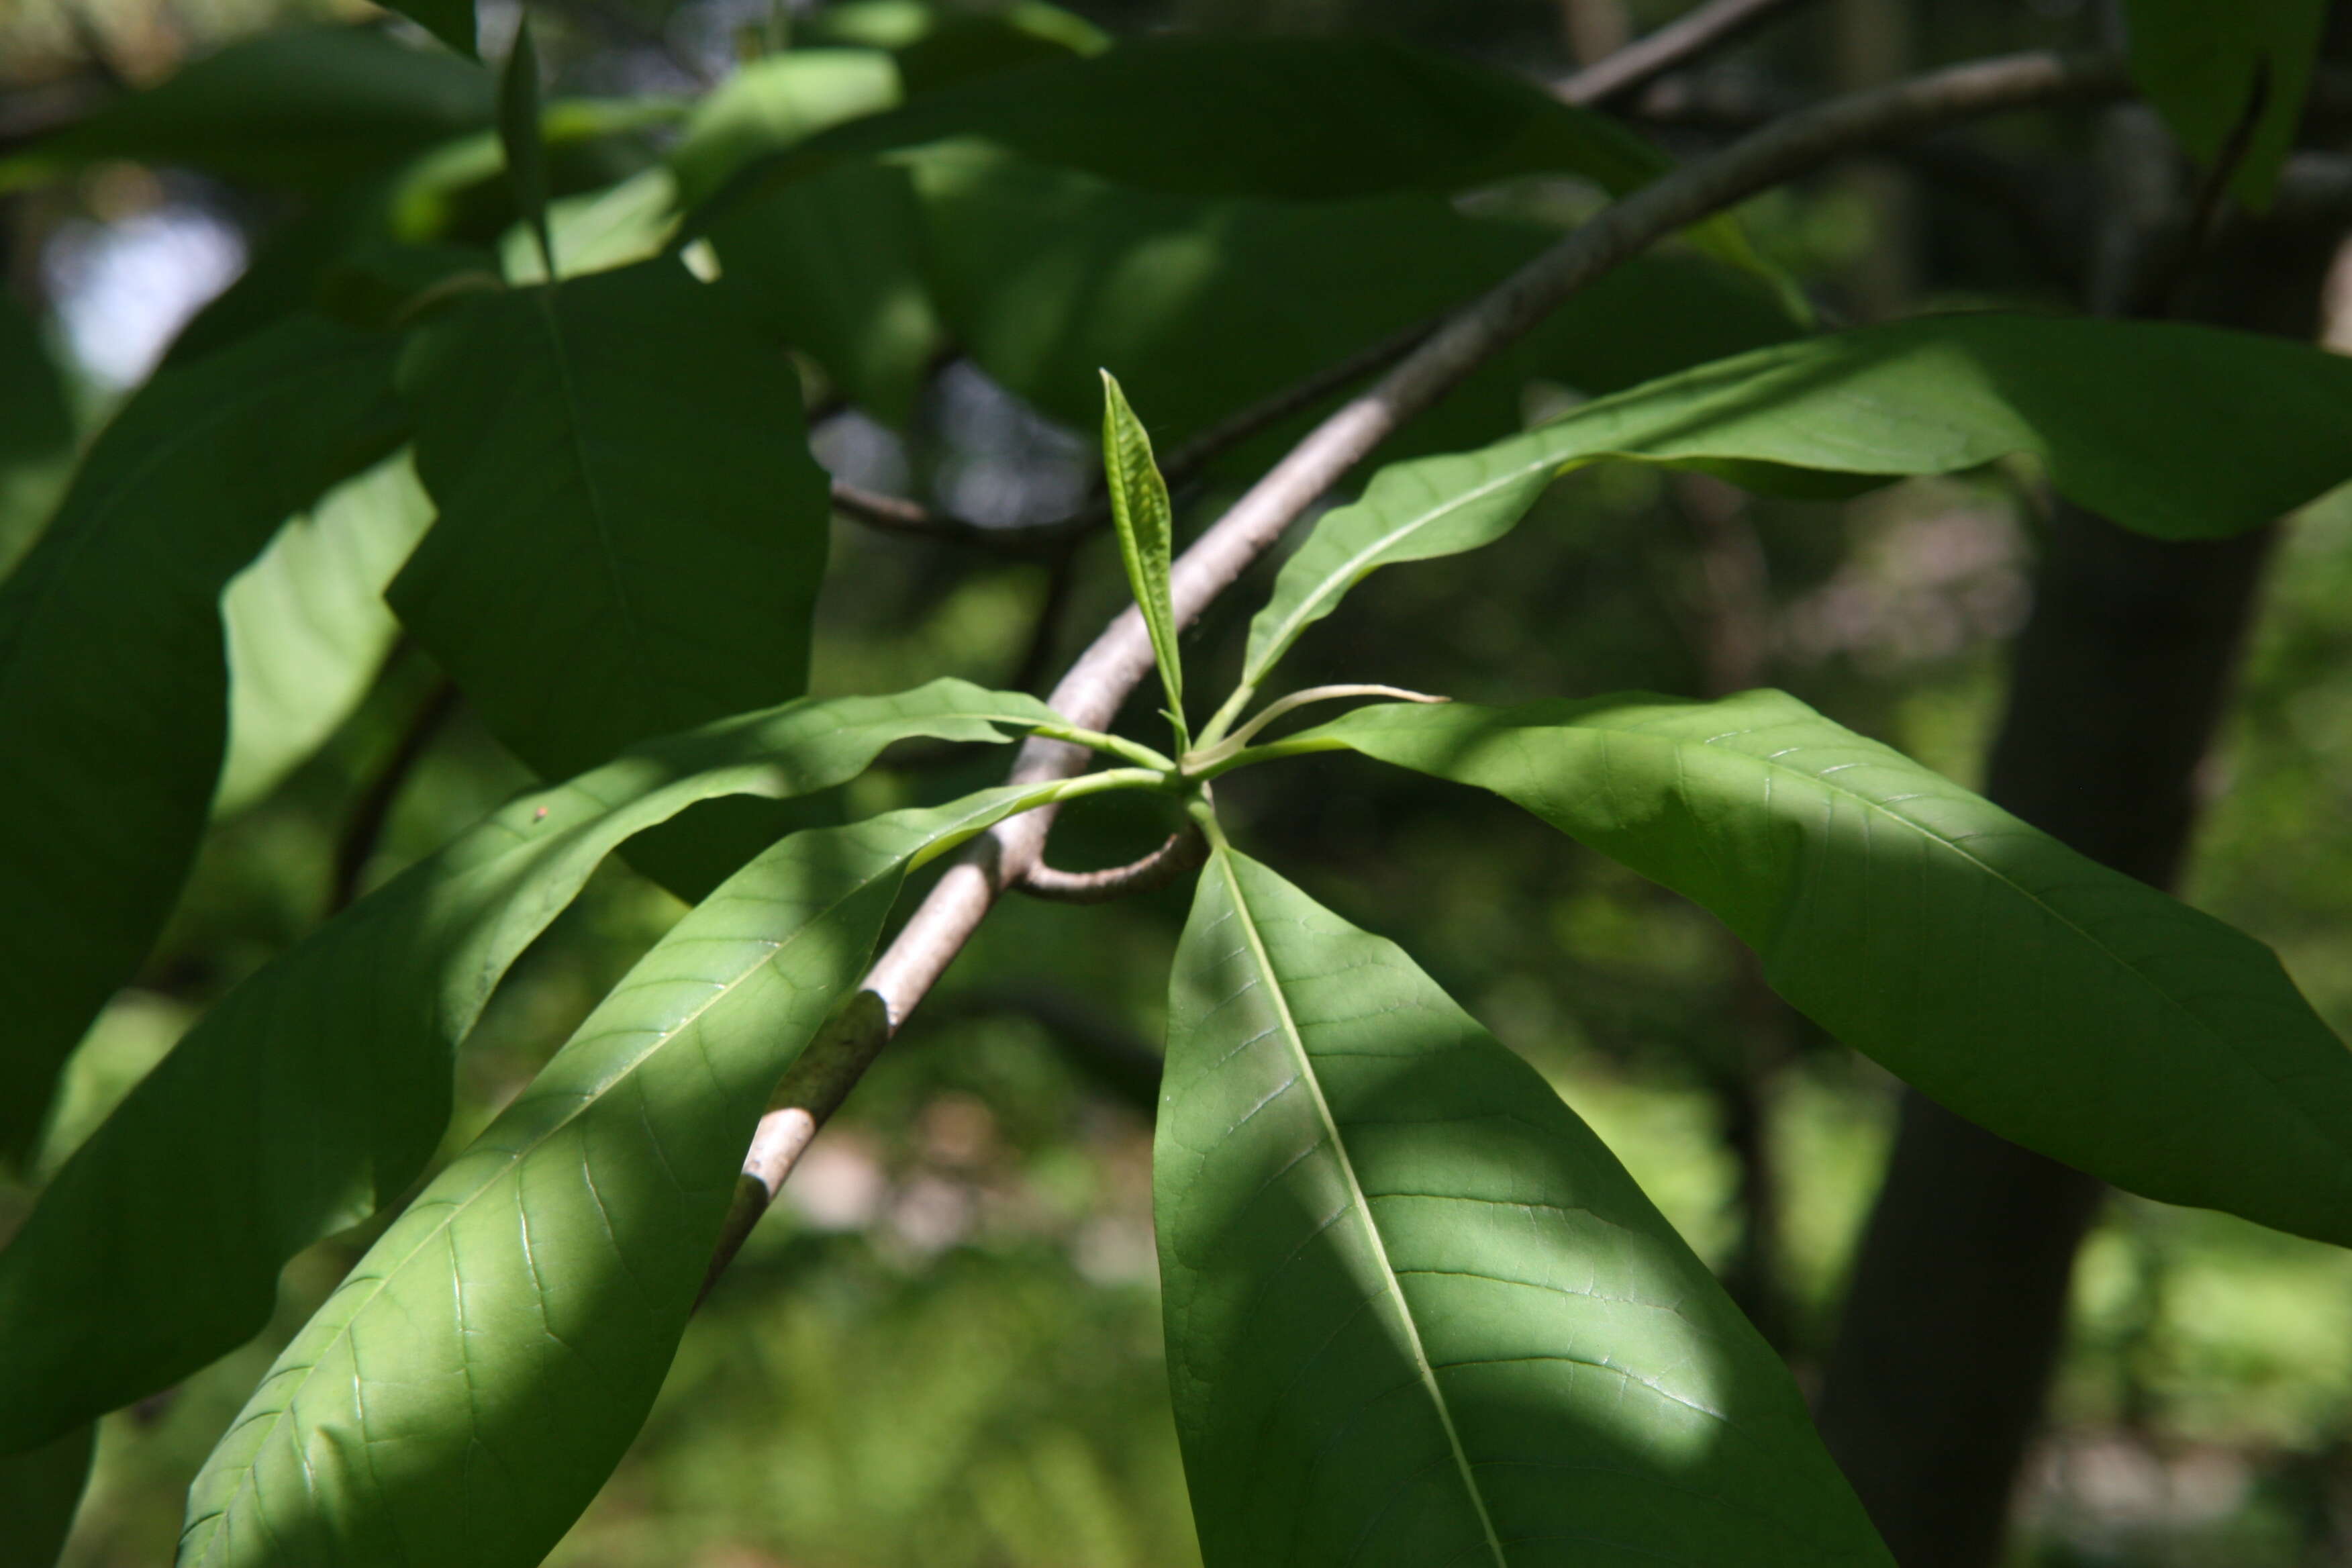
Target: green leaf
{"points": [[1310, 119], [600, 230], [2178, 432], [451, 21], [114, 690], [1416, 1312], [833, 266], [624, 453], [2066, 1007], [157, 1247], [1147, 525], [308, 109], [776, 104], [519, 138], [2200, 64], [937, 46], [507, 1336], [1042, 275], [37, 432], [308, 629], [39, 1492]]}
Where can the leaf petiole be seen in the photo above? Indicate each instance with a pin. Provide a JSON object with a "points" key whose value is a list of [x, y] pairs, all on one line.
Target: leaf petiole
{"points": [[1116, 745]]}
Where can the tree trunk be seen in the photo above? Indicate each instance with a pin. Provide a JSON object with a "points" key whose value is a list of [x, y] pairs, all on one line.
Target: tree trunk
{"points": [[1956, 1310]]}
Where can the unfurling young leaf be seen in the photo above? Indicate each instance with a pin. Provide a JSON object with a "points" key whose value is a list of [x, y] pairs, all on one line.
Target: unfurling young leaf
{"points": [[1417, 1314], [1146, 523], [520, 135]]}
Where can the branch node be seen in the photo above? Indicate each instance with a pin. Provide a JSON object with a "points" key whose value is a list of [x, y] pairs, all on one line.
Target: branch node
{"points": [[1184, 852]]}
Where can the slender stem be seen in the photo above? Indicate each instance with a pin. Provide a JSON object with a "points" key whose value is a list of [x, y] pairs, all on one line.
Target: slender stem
{"points": [[1677, 43], [1209, 756], [1093, 691], [1273, 751], [1135, 751], [1182, 852]]}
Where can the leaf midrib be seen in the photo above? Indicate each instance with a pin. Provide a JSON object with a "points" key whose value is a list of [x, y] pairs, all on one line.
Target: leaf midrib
{"points": [[1307, 1075], [575, 430], [2228, 1047], [448, 1216]]}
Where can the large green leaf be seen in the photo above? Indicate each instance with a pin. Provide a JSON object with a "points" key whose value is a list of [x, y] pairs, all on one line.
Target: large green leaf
{"points": [[1303, 118], [462, 1396], [308, 629], [632, 529], [308, 108], [1043, 275], [113, 691], [1417, 1314], [2063, 1005], [2200, 64], [311, 1095], [2178, 432], [1146, 525]]}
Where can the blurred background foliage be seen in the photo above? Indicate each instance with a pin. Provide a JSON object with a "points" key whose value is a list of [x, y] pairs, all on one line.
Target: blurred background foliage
{"points": [[943, 1348]]}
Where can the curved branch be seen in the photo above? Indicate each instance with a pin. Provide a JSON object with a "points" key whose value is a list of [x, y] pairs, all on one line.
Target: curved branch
{"points": [[897, 514], [1184, 851], [1677, 43], [1090, 695]]}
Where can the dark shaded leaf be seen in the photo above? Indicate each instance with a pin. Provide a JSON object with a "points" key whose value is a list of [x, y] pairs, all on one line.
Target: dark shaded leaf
{"points": [[632, 529], [308, 109], [2200, 64], [113, 693]]}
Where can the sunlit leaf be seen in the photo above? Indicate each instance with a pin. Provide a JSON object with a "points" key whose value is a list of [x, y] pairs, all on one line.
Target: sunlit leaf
{"points": [[632, 529], [1416, 1312], [308, 628], [2066, 1007], [157, 1247], [775, 103], [113, 689], [462, 1396], [2179, 432]]}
